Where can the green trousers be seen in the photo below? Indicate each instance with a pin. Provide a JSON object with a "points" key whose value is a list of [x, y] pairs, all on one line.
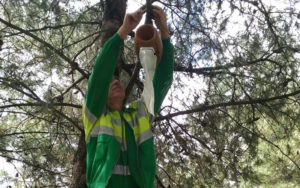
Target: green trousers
{"points": [[120, 181]]}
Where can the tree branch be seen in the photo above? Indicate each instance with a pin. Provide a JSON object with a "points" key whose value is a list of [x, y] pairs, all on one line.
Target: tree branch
{"points": [[132, 80], [159, 182], [264, 139], [74, 65], [210, 70], [30, 164], [213, 106], [41, 104], [55, 27], [34, 132], [69, 88], [10, 83]]}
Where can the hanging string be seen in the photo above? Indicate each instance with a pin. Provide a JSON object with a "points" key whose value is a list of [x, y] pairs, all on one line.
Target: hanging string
{"points": [[149, 15], [137, 67]]}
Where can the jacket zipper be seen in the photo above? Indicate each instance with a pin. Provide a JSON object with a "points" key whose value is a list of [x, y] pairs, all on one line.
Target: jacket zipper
{"points": [[118, 157], [137, 157], [137, 151]]}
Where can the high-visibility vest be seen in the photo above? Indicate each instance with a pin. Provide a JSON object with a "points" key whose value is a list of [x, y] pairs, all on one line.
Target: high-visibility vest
{"points": [[104, 141]]}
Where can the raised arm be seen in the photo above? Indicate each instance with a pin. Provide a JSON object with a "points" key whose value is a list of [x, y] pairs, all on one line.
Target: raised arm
{"points": [[163, 75], [101, 76], [104, 66]]}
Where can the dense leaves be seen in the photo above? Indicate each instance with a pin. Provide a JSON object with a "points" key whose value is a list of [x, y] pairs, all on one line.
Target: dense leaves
{"points": [[232, 116]]}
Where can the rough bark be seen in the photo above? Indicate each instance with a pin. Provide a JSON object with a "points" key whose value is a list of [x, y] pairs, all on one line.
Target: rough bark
{"points": [[79, 166], [114, 12]]}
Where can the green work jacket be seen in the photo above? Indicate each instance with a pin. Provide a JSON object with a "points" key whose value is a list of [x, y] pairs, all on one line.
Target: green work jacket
{"points": [[109, 132]]}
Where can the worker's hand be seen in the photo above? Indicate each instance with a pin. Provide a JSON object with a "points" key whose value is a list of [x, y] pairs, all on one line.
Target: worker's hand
{"points": [[130, 22], [160, 21]]}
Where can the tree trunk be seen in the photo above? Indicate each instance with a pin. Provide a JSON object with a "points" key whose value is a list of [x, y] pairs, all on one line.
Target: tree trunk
{"points": [[114, 12], [79, 166]]}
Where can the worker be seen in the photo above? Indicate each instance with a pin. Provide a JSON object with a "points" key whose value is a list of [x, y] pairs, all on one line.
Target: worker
{"points": [[120, 144]]}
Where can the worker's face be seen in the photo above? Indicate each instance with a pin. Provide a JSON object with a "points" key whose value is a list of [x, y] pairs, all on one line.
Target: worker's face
{"points": [[116, 91]]}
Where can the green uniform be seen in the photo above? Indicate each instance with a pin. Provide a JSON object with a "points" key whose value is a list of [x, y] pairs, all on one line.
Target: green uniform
{"points": [[120, 151]]}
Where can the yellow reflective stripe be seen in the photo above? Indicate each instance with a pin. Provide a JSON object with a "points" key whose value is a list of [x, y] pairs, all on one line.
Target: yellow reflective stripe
{"points": [[91, 117], [128, 117], [88, 126], [117, 130], [101, 130], [121, 170], [142, 109], [131, 119], [106, 121], [116, 122], [145, 136], [143, 126], [114, 114], [104, 130], [133, 104], [111, 124]]}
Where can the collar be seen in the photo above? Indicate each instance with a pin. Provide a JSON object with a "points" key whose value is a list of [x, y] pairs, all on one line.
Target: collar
{"points": [[124, 109]]}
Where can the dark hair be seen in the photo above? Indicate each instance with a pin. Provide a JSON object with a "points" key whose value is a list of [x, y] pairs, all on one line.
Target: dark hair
{"points": [[117, 74]]}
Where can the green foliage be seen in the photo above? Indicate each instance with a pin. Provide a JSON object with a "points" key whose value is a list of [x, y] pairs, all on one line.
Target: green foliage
{"points": [[231, 119]]}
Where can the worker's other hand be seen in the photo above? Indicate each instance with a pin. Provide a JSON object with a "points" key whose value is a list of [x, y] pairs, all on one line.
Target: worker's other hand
{"points": [[130, 22], [160, 21]]}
